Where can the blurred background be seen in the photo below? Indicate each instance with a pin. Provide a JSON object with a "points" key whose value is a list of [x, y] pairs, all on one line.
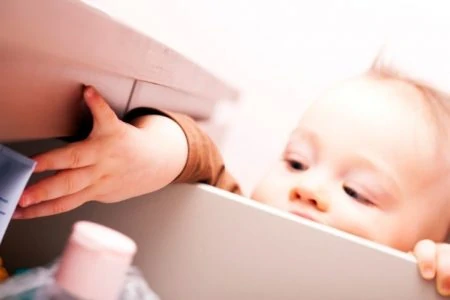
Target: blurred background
{"points": [[279, 54]]}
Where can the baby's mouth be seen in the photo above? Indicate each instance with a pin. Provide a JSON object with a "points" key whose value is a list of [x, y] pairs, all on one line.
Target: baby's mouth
{"points": [[304, 215]]}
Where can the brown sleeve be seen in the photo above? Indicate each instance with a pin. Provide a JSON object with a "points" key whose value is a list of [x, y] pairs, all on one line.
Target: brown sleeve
{"points": [[204, 163]]}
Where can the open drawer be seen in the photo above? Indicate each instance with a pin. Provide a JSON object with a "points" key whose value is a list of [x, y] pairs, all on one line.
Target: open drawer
{"points": [[198, 242], [49, 48]]}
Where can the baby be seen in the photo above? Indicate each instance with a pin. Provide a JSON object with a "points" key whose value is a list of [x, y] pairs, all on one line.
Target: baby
{"points": [[369, 157]]}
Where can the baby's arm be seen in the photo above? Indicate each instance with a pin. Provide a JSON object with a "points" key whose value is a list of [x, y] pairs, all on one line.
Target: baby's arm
{"points": [[122, 160], [204, 163]]}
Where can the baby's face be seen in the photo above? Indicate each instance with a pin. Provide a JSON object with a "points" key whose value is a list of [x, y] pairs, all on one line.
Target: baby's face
{"points": [[363, 160]]}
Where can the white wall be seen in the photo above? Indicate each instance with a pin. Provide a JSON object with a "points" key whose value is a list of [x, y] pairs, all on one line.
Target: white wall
{"points": [[278, 53]]}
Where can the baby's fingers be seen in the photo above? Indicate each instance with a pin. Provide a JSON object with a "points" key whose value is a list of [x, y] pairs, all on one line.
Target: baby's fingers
{"points": [[71, 156], [425, 252], [53, 207], [443, 269], [61, 184]]}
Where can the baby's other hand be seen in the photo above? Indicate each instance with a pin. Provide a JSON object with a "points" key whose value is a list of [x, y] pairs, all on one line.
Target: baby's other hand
{"points": [[116, 162], [434, 262]]}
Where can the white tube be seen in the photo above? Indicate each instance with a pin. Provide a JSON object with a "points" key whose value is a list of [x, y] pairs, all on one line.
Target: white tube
{"points": [[15, 171]]}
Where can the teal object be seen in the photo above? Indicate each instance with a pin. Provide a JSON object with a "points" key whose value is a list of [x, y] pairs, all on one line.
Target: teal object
{"points": [[21, 271]]}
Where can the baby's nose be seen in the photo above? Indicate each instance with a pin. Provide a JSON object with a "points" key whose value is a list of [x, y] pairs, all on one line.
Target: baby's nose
{"points": [[309, 197]]}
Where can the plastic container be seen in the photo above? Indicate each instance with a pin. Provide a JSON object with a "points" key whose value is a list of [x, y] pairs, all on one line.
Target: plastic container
{"points": [[15, 171], [95, 265]]}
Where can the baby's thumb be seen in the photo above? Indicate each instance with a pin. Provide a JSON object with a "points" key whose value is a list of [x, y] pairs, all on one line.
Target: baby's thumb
{"points": [[104, 118]]}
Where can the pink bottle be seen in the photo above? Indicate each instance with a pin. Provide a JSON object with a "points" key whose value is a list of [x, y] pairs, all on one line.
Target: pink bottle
{"points": [[94, 263]]}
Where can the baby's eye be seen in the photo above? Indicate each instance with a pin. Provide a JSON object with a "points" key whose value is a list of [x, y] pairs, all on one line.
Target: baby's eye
{"points": [[357, 196], [296, 165]]}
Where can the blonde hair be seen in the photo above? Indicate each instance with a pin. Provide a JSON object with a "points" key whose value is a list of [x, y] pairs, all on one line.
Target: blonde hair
{"points": [[428, 74], [436, 96]]}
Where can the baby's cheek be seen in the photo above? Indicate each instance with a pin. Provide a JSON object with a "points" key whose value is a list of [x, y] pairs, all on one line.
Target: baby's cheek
{"points": [[260, 192], [399, 238], [272, 191], [356, 225], [381, 232], [271, 198]]}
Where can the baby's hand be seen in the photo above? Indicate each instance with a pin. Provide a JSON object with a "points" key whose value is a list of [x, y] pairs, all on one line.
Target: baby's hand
{"points": [[434, 262], [116, 162]]}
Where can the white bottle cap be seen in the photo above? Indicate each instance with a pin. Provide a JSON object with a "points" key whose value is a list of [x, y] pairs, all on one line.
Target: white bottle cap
{"points": [[95, 261]]}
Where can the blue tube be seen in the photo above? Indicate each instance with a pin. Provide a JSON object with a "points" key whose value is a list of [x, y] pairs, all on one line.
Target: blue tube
{"points": [[15, 171]]}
